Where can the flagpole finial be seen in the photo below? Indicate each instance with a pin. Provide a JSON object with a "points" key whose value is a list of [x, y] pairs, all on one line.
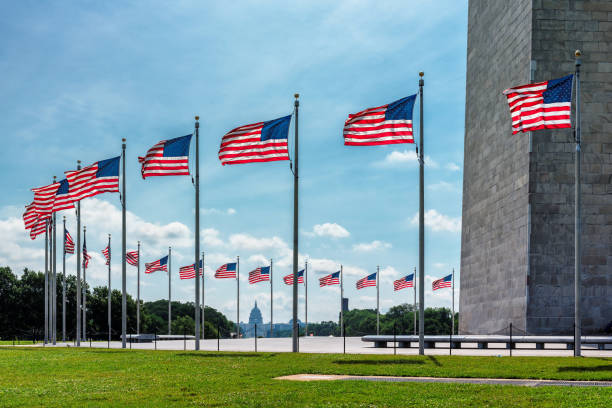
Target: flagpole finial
{"points": [[123, 139], [197, 118], [84, 228], [421, 74], [577, 53], [297, 95], [78, 162]]}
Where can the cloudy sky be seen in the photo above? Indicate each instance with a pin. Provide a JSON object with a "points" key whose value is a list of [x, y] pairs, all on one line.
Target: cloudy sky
{"points": [[76, 77]]}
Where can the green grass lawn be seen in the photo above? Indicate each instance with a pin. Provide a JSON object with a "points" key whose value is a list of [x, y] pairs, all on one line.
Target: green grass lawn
{"points": [[90, 377], [10, 342]]}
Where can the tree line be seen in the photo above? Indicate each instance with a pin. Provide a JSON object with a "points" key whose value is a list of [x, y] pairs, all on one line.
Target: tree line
{"points": [[22, 314]]}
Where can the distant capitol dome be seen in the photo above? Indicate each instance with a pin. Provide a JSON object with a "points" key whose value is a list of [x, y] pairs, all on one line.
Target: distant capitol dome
{"points": [[255, 316]]}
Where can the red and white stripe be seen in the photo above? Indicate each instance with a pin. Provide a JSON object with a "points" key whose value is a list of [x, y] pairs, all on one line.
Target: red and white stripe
{"points": [[84, 183], [223, 273], [329, 280], [365, 282], [529, 112], [440, 284], [256, 276], [30, 217], [38, 228], [69, 244], [288, 279], [244, 145], [132, 258], [155, 164], [188, 272], [369, 128], [106, 253], [43, 200], [155, 266], [402, 284]]}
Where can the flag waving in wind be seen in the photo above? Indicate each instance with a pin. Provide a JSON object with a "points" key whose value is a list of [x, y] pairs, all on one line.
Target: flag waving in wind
{"points": [[331, 279], [43, 200], [188, 272], [62, 201], [159, 265], [259, 274], [288, 279], [107, 254], [258, 142], [369, 280], [132, 258], [445, 282], [227, 270], [167, 158], [543, 105], [405, 282], [386, 124], [100, 177], [86, 256], [68, 243]]}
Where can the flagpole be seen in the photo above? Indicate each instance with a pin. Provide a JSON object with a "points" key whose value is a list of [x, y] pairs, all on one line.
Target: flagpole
{"points": [[123, 249], [64, 284], [138, 293], [453, 316], [421, 225], [78, 261], [377, 300], [577, 215], [84, 288], [170, 291], [414, 312], [271, 299], [46, 281], [50, 225], [197, 232], [54, 285], [109, 287], [237, 297], [341, 302], [306, 297], [295, 227], [203, 301]]}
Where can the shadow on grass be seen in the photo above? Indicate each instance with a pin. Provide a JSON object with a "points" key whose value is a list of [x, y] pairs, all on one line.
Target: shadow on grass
{"points": [[229, 355], [581, 369], [377, 362], [434, 360]]}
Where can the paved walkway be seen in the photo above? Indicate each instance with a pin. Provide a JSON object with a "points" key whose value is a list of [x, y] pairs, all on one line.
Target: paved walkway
{"points": [[487, 381], [354, 345]]}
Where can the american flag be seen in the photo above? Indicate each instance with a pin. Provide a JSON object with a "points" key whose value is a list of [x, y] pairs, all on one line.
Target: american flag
{"points": [[107, 254], [100, 177], [159, 265], [331, 279], [445, 282], [289, 278], [369, 280], [259, 274], [167, 158], [258, 142], [132, 258], [30, 217], [63, 200], [405, 282], [226, 271], [43, 200], [38, 228], [68, 243], [542, 105], [386, 124], [188, 272], [86, 256]]}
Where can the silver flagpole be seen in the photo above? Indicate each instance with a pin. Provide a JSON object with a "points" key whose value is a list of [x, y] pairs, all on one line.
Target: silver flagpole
{"points": [[170, 291], [64, 283], [78, 261], [271, 299], [109, 288], [577, 223], [237, 297], [414, 312], [50, 225], [123, 250], [341, 303], [377, 300], [203, 301], [46, 281], [138, 293], [197, 231], [84, 288], [421, 225], [453, 315], [54, 285], [295, 331], [306, 297]]}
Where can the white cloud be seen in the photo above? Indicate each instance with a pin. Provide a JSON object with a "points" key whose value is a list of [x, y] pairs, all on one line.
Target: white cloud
{"points": [[210, 237], [374, 245], [404, 158], [443, 186], [452, 167], [438, 222], [329, 230], [216, 211], [251, 243]]}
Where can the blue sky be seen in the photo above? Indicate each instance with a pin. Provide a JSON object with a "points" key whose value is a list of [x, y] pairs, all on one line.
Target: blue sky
{"points": [[76, 77]]}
